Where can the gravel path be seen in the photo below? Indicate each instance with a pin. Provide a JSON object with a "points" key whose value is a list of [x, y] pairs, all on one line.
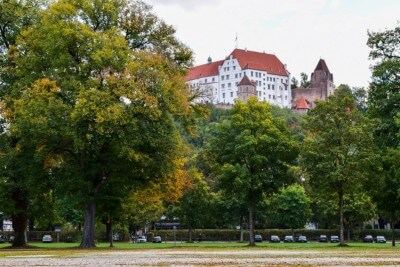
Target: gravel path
{"points": [[207, 258]]}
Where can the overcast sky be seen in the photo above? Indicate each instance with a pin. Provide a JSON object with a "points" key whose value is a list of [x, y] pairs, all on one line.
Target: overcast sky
{"points": [[298, 32]]}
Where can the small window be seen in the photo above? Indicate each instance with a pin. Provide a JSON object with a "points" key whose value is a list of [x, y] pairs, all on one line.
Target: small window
{"points": [[231, 94], [229, 85], [223, 95], [223, 86], [222, 77], [227, 77], [273, 87], [234, 67]]}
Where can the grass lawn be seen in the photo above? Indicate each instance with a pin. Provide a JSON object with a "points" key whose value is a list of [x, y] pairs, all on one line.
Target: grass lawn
{"points": [[205, 245]]}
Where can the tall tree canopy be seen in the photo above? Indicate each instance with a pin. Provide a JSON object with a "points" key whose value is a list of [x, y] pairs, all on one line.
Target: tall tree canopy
{"points": [[98, 92], [384, 91], [252, 151], [338, 149], [383, 104]]}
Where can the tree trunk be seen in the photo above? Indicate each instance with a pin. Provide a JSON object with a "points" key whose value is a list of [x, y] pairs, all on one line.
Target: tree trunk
{"points": [[393, 230], [190, 234], [108, 230], [31, 224], [241, 228], [251, 226], [19, 223], [20, 218], [88, 228], [111, 233], [341, 217]]}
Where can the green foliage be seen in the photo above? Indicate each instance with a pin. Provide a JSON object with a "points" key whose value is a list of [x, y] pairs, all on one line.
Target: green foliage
{"points": [[383, 104], [338, 150], [290, 207], [384, 91], [99, 89], [294, 83], [305, 82], [252, 152], [194, 208]]}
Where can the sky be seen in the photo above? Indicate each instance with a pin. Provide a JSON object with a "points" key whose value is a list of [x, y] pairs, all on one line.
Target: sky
{"points": [[298, 32]]}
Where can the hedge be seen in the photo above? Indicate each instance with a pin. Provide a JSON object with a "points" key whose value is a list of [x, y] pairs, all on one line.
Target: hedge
{"points": [[215, 235], [211, 235]]}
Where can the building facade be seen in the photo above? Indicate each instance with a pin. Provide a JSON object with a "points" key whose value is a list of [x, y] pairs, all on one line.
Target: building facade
{"points": [[321, 88], [217, 82]]}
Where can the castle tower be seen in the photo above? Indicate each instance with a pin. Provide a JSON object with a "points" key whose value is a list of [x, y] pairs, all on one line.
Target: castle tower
{"points": [[246, 89], [322, 78]]}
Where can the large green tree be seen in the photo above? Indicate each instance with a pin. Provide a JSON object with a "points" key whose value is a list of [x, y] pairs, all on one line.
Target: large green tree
{"points": [[252, 151], [25, 191], [383, 104], [100, 88], [338, 150]]}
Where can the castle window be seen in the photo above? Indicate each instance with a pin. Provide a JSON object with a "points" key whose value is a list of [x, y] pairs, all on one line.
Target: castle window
{"points": [[234, 67], [205, 80], [223, 95], [213, 79], [231, 94], [273, 87], [269, 86], [229, 85], [285, 97], [251, 74], [273, 97], [227, 77], [223, 86], [236, 75], [222, 77], [269, 96]]}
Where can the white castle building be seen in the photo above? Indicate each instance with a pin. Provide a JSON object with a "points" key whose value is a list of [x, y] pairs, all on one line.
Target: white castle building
{"points": [[217, 82]]}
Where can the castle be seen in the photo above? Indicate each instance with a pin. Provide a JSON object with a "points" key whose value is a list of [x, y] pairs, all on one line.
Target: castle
{"points": [[321, 88], [241, 75]]}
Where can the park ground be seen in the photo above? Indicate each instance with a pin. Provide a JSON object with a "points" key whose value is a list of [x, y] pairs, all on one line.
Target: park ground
{"points": [[202, 254]]}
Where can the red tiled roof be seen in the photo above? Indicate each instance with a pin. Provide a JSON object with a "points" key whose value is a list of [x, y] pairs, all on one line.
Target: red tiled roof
{"points": [[246, 81], [209, 69], [260, 61], [301, 103]]}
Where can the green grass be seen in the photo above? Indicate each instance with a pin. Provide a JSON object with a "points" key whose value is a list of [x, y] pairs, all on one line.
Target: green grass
{"points": [[171, 245]]}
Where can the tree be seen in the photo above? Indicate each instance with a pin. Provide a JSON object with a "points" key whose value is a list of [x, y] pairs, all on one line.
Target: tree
{"points": [[290, 207], [338, 149], [25, 189], [294, 83], [194, 208], [252, 151], [305, 82], [384, 91], [95, 110], [383, 104]]}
